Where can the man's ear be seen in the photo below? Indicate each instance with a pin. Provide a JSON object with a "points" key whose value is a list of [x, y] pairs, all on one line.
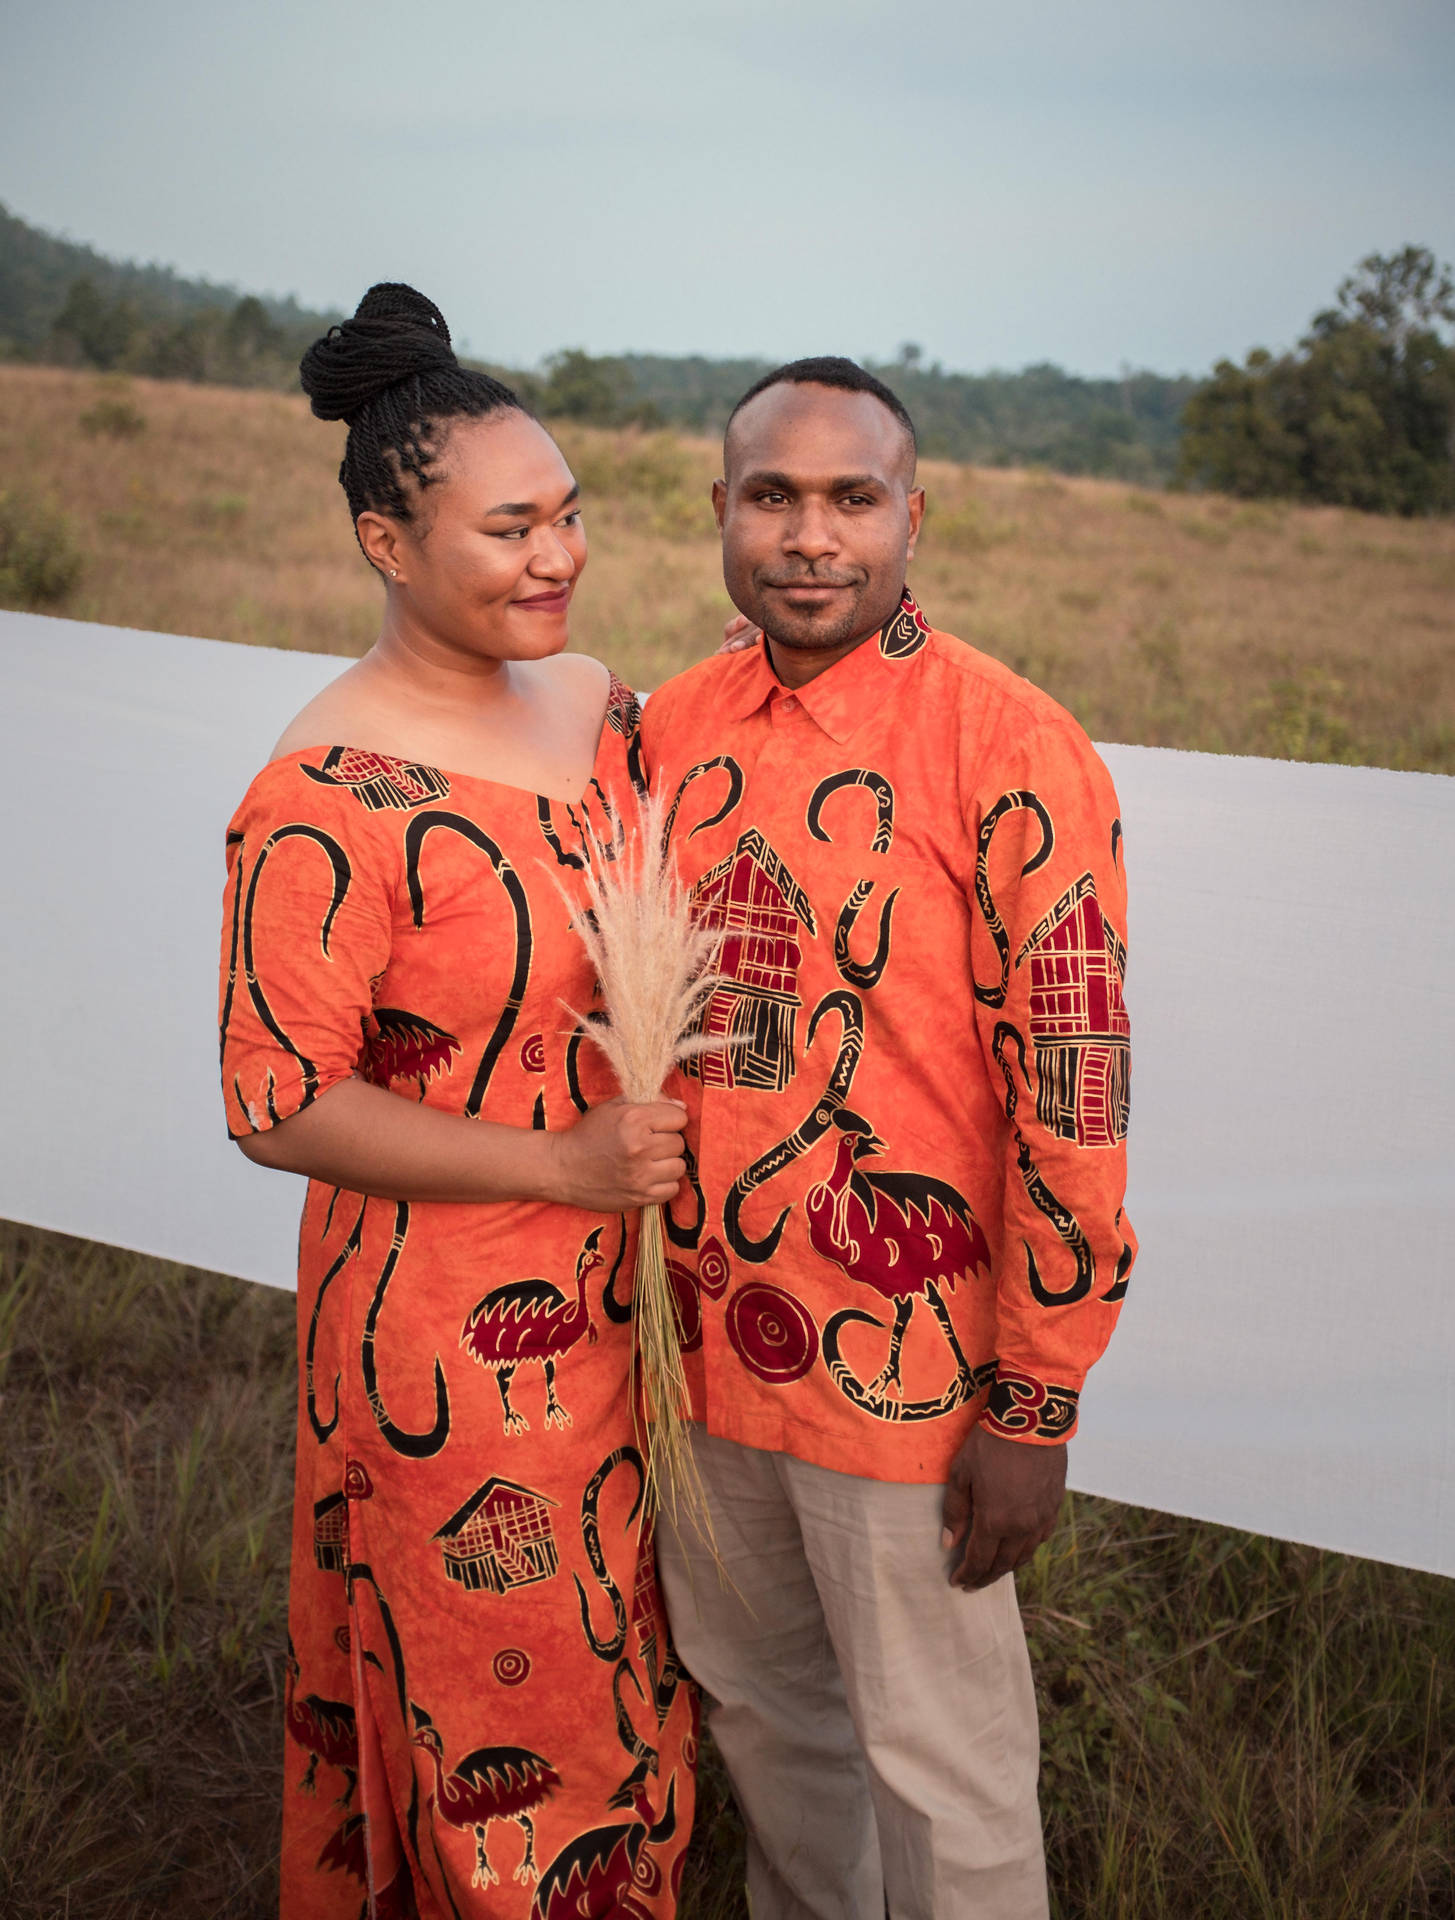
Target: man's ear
{"points": [[916, 499], [719, 501]]}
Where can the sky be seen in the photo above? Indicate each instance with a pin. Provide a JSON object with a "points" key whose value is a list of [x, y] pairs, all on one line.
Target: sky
{"points": [[1153, 184]]}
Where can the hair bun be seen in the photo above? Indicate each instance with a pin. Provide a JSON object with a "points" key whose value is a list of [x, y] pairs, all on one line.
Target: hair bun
{"points": [[395, 333]]}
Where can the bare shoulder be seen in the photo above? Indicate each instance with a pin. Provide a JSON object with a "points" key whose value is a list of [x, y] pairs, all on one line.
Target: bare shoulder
{"points": [[578, 681], [580, 672], [331, 717]]}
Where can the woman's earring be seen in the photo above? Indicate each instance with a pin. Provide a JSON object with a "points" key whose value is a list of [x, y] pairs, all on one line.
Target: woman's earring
{"points": [[394, 573]]}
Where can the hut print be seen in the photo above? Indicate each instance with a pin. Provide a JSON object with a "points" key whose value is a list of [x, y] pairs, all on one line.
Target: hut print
{"points": [[760, 907], [501, 1538], [331, 1533], [1078, 1020]]}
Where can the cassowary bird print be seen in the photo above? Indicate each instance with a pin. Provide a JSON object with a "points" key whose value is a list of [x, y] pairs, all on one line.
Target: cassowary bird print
{"points": [[904, 1234], [529, 1321], [403, 1046], [325, 1729], [608, 1870], [493, 1783]]}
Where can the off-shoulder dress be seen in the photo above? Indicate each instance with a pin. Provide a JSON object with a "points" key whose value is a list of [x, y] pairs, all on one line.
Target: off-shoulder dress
{"points": [[484, 1712]]}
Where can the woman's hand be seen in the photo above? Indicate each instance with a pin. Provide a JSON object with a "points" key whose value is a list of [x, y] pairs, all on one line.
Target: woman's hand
{"points": [[620, 1156], [739, 634]]}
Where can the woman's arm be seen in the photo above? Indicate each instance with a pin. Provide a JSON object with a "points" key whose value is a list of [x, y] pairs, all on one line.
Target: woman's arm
{"points": [[359, 1137]]}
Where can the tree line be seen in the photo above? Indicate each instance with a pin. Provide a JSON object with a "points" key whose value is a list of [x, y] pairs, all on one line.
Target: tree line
{"points": [[1360, 413]]}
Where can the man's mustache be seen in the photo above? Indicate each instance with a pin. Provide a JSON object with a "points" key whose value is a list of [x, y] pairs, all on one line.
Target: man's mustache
{"points": [[788, 581]]}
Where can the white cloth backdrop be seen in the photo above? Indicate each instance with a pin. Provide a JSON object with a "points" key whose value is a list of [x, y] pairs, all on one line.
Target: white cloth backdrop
{"points": [[1283, 1361]]}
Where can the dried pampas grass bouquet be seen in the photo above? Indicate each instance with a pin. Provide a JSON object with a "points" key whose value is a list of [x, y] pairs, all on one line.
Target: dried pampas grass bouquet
{"points": [[654, 962]]}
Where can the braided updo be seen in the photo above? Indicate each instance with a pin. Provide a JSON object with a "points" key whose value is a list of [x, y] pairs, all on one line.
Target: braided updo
{"points": [[392, 374]]}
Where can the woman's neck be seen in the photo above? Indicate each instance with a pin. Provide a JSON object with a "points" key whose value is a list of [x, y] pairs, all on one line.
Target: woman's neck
{"points": [[434, 678]]}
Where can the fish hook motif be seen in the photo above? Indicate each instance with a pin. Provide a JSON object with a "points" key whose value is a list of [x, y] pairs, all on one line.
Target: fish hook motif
{"points": [[618, 1311], [769, 1165], [687, 1236], [322, 1429], [864, 976], [638, 1749], [420, 827], [414, 1446], [723, 762], [342, 878], [1007, 803], [612, 1648], [1067, 1227]]}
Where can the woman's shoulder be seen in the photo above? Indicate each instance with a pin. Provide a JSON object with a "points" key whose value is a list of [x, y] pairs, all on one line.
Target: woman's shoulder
{"points": [[579, 678], [332, 714], [606, 701]]}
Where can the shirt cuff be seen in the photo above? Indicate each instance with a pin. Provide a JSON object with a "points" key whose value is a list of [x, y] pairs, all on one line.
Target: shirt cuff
{"points": [[1021, 1407]]}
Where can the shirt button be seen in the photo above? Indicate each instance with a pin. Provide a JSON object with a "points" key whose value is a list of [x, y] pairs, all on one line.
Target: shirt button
{"points": [[790, 705]]}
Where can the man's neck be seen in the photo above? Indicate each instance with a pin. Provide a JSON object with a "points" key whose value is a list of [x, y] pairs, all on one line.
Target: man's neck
{"points": [[796, 666]]}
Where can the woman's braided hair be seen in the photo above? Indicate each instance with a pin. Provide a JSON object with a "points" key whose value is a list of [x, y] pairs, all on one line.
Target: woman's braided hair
{"points": [[392, 374]]}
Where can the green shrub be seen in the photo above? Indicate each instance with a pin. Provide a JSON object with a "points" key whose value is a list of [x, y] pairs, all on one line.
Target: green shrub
{"points": [[39, 560], [114, 414]]}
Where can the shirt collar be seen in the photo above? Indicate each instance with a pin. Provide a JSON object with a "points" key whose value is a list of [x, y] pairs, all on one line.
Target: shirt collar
{"points": [[842, 697]]}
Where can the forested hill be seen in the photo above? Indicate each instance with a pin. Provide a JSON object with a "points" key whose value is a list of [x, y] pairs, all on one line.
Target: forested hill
{"points": [[60, 301], [1361, 413], [1040, 416]]}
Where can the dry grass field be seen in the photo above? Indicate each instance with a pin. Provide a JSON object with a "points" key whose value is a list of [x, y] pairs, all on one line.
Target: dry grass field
{"points": [[1234, 1728], [1308, 633]]}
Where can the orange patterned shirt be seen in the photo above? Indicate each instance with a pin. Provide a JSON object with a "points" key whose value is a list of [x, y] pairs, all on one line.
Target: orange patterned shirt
{"points": [[909, 1151]]}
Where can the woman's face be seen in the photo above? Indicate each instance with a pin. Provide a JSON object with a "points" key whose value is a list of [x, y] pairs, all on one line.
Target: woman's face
{"points": [[489, 564]]}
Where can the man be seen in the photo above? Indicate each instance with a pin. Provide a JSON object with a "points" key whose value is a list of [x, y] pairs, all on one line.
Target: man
{"points": [[906, 1219]]}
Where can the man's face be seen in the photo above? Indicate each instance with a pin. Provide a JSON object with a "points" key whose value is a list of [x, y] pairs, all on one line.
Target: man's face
{"points": [[819, 514]]}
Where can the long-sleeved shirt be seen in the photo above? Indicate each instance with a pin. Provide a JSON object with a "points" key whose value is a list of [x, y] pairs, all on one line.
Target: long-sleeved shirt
{"points": [[909, 1146]]}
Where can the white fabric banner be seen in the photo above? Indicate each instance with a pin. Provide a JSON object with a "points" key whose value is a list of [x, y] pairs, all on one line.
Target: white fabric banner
{"points": [[1283, 1360]]}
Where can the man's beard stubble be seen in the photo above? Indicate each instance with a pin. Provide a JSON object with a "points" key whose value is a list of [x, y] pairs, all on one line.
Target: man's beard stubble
{"points": [[804, 633]]}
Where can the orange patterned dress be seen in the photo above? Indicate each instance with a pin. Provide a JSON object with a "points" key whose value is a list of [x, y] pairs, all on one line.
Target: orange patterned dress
{"points": [[485, 1715]]}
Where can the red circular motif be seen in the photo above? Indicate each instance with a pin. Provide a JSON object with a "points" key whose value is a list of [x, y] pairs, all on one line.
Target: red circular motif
{"points": [[533, 1053], [341, 1639], [357, 1484], [771, 1333], [713, 1268], [689, 1306], [646, 1873], [511, 1667]]}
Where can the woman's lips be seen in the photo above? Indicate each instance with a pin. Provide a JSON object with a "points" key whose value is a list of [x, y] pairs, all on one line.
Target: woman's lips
{"points": [[555, 602]]}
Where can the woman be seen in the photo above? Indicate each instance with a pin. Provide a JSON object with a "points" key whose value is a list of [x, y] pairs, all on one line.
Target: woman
{"points": [[484, 1713]]}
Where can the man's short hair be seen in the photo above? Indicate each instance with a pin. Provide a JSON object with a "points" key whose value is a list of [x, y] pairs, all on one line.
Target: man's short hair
{"points": [[830, 370]]}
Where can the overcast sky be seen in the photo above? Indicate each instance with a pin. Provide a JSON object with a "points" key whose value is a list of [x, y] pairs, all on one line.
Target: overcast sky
{"points": [[1150, 182]]}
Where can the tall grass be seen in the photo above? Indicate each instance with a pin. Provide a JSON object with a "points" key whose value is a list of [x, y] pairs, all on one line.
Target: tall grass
{"points": [[1233, 1728], [145, 1480]]}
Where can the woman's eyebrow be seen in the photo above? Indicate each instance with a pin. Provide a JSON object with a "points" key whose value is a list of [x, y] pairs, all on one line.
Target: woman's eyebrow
{"points": [[522, 509]]}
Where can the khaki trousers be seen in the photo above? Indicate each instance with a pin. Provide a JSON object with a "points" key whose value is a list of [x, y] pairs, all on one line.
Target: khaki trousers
{"points": [[879, 1725]]}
